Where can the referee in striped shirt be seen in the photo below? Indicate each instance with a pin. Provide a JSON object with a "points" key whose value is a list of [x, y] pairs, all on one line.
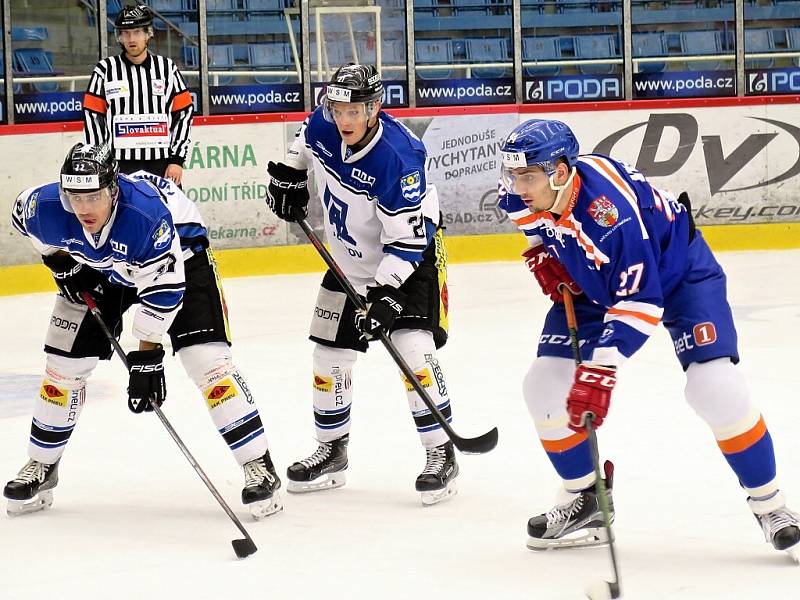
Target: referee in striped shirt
{"points": [[139, 103]]}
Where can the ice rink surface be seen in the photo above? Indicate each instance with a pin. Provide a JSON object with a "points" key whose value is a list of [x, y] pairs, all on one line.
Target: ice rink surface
{"points": [[132, 520]]}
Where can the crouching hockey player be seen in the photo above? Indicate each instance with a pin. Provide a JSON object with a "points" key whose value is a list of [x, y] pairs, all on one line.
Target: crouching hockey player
{"points": [[127, 241], [382, 222], [633, 258]]}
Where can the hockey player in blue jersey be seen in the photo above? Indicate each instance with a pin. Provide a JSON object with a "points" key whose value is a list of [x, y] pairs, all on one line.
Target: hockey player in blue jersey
{"points": [[382, 222], [632, 258], [130, 240]]}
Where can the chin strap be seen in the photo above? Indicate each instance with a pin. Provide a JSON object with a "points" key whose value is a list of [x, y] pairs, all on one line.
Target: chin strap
{"points": [[560, 188]]}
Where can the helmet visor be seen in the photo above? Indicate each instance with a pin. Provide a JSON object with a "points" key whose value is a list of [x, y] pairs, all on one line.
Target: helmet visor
{"points": [[521, 179]]}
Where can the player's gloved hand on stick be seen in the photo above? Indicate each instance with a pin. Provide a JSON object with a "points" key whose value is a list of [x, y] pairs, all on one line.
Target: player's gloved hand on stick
{"points": [[287, 192], [550, 273], [590, 392], [146, 383], [384, 304], [72, 277]]}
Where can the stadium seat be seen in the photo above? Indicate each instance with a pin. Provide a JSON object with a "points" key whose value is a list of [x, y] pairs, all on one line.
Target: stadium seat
{"points": [[25, 34], [700, 43], [274, 55], [758, 40], [472, 8], [541, 48], [34, 61], [488, 50], [220, 58], [596, 46], [433, 52], [17, 86], [647, 45], [793, 42], [576, 6], [535, 6], [265, 5]]}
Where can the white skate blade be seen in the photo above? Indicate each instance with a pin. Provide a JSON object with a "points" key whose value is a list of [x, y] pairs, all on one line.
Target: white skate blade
{"points": [[41, 501], [436, 496], [328, 481], [264, 508], [583, 538]]}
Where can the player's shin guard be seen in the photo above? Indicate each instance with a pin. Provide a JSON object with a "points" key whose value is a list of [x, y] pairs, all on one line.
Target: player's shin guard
{"points": [[717, 391], [332, 391], [419, 351], [60, 402], [545, 387], [228, 399]]}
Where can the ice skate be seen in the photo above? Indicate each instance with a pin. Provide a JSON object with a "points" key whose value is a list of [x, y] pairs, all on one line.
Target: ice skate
{"points": [[437, 481], [32, 489], [260, 493], [323, 470], [575, 523], [780, 525]]}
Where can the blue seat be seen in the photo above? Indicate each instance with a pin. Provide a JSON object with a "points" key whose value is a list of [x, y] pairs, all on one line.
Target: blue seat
{"points": [[265, 5], [534, 6], [336, 53], [220, 57], [34, 61], [701, 43], [488, 50], [793, 42], [471, 7], [541, 48], [17, 86], [648, 45], [600, 45], [274, 55], [434, 52], [393, 51], [24, 34], [758, 40], [576, 6]]}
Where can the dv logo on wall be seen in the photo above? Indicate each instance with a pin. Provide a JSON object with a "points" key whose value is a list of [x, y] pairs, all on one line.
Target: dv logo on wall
{"points": [[736, 157]]}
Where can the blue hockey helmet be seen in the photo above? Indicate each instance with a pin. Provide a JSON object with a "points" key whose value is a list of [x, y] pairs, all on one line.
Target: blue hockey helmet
{"points": [[539, 142]]}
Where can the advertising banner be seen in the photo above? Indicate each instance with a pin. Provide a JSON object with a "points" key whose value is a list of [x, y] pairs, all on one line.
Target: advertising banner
{"points": [[772, 81], [446, 92], [275, 97], [565, 88], [684, 84], [739, 164], [48, 106]]}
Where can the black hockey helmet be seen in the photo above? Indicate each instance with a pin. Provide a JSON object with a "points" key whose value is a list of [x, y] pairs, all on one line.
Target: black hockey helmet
{"points": [[89, 168], [355, 83], [134, 17]]}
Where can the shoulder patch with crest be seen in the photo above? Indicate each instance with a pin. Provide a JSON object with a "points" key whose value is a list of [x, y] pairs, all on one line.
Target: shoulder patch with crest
{"points": [[410, 186], [163, 235], [603, 211]]}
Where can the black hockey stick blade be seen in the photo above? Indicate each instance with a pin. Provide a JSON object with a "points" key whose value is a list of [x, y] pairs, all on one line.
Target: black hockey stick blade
{"points": [[244, 547], [477, 445]]}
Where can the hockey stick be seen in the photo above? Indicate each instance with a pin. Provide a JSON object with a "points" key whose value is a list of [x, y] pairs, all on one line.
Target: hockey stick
{"points": [[477, 445], [244, 547], [599, 484]]}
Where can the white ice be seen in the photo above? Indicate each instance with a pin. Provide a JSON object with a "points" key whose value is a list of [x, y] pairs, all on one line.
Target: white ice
{"points": [[132, 520]]}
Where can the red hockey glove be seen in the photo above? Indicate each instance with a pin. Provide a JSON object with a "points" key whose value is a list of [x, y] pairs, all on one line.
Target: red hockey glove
{"points": [[550, 273], [590, 393]]}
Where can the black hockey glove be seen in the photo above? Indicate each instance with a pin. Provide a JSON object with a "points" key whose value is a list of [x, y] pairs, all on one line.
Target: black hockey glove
{"points": [[146, 383], [72, 277], [287, 192], [384, 304]]}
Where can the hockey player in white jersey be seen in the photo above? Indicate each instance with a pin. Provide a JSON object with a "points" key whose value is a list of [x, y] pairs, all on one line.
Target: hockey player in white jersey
{"points": [[382, 222], [130, 240]]}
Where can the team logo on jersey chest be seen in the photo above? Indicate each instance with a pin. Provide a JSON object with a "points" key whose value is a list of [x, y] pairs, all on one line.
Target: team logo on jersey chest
{"points": [[603, 211], [361, 176]]}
